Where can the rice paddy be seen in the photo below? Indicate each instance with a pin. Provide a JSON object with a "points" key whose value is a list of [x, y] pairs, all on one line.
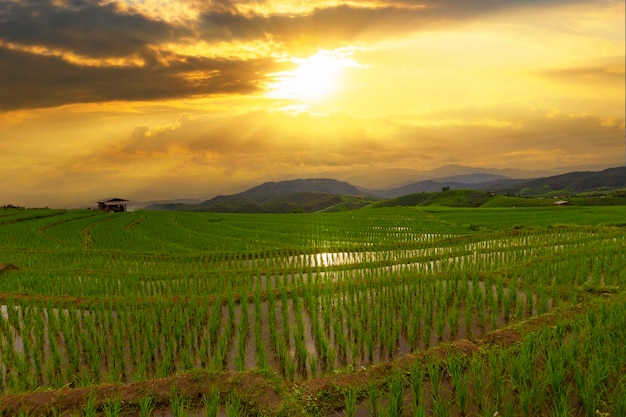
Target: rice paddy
{"points": [[402, 311]]}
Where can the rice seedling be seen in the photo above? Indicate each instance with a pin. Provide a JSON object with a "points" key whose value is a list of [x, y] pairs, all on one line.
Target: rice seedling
{"points": [[374, 396], [435, 380], [459, 382], [476, 374], [617, 401], [419, 410], [557, 369], [89, 407], [146, 406], [417, 385], [442, 407], [211, 403], [396, 395], [233, 405], [350, 397], [179, 404], [497, 362], [113, 408]]}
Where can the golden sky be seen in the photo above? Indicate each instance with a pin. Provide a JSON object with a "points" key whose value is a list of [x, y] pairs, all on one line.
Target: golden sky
{"points": [[147, 99]]}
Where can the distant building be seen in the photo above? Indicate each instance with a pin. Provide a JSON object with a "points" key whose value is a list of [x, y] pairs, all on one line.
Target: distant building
{"points": [[563, 203], [113, 205]]}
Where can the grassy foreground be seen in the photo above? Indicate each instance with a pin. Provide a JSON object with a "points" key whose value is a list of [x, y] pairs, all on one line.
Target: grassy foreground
{"points": [[391, 311]]}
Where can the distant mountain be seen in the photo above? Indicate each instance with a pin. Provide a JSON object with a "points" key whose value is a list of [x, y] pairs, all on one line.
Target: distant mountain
{"points": [[287, 203], [572, 182], [269, 190], [471, 181], [428, 186], [578, 168], [473, 178], [580, 187], [322, 194], [447, 171], [301, 195], [394, 178]]}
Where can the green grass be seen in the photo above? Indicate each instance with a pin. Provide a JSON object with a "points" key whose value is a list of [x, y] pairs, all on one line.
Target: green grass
{"points": [[449, 198], [481, 199], [499, 218], [510, 201]]}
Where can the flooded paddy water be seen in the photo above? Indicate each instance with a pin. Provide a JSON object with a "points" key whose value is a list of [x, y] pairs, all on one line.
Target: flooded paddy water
{"points": [[317, 329]]}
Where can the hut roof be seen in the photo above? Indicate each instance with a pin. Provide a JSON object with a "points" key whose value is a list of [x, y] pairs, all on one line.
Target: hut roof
{"points": [[113, 200]]}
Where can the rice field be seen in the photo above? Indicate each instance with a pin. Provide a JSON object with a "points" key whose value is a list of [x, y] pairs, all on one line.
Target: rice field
{"points": [[354, 313]]}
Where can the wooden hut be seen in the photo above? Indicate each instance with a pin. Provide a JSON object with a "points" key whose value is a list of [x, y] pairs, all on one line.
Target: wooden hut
{"points": [[563, 203], [113, 205]]}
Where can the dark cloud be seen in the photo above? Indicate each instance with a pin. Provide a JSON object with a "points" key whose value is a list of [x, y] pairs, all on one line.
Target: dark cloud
{"points": [[88, 28], [321, 28], [344, 23], [103, 29], [339, 23], [472, 7], [98, 30], [30, 80]]}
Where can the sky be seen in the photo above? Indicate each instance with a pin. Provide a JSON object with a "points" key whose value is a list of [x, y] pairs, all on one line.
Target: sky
{"points": [[151, 100]]}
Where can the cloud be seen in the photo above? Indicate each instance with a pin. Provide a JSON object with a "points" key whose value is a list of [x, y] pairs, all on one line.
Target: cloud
{"points": [[46, 45], [334, 25], [31, 80], [600, 72], [253, 134], [263, 140], [529, 137], [88, 28]]}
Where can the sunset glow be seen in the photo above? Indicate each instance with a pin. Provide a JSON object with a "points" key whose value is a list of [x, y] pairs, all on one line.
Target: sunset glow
{"points": [[193, 99], [316, 78]]}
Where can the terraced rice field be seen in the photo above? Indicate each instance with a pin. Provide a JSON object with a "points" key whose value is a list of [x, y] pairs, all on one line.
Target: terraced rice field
{"points": [[371, 312]]}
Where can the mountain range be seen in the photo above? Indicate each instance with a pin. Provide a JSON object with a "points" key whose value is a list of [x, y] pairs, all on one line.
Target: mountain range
{"points": [[323, 194]]}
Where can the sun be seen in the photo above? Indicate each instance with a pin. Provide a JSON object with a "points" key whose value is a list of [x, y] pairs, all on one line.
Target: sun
{"points": [[315, 79]]}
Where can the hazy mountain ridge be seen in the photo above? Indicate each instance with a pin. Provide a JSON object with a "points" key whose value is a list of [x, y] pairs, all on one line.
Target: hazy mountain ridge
{"points": [[301, 195], [269, 190], [571, 182], [437, 185], [395, 178], [580, 181], [316, 194]]}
